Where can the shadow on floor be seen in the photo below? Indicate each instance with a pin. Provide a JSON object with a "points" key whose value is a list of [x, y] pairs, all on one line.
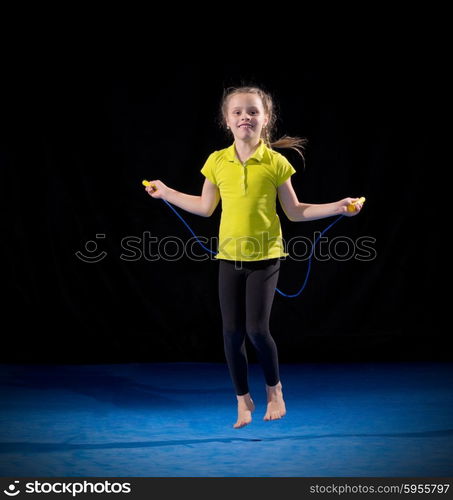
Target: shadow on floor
{"points": [[49, 447]]}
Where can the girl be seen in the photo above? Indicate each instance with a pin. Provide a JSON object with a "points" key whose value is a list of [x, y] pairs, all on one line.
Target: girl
{"points": [[248, 176]]}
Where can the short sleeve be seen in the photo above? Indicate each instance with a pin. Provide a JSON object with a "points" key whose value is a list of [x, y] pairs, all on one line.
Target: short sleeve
{"points": [[284, 170], [208, 169]]}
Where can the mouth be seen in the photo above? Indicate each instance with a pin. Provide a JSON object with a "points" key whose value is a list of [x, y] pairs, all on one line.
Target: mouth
{"points": [[246, 125]]}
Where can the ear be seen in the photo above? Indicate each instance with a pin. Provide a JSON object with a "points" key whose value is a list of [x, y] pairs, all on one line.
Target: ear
{"points": [[266, 120]]}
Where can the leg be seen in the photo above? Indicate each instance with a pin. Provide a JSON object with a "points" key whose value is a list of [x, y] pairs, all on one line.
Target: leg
{"points": [[232, 305], [261, 282]]}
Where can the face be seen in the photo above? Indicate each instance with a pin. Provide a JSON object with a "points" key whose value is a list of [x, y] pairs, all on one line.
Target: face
{"points": [[246, 116]]}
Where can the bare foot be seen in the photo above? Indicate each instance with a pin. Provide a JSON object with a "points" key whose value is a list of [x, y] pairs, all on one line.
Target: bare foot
{"points": [[245, 409], [275, 404]]}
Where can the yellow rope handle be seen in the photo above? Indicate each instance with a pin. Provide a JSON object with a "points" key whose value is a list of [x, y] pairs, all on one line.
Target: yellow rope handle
{"points": [[147, 183], [352, 207]]}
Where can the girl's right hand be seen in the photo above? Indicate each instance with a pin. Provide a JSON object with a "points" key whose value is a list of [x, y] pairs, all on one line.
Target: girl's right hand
{"points": [[157, 189]]}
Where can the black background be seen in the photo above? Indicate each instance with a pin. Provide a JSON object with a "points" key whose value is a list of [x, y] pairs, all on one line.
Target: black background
{"points": [[78, 137]]}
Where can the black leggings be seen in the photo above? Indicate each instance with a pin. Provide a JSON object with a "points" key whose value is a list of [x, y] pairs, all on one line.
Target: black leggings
{"points": [[246, 293]]}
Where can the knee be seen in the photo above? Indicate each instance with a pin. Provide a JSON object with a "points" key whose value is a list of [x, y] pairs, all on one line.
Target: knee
{"points": [[233, 336], [258, 333]]}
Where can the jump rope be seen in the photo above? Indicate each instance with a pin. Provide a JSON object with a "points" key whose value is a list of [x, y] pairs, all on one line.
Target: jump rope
{"points": [[351, 208]]}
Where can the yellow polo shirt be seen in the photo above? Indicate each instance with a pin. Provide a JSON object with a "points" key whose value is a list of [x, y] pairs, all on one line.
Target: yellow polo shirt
{"points": [[249, 226]]}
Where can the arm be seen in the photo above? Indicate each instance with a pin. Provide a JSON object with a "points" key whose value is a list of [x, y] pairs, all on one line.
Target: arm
{"points": [[203, 205], [297, 211]]}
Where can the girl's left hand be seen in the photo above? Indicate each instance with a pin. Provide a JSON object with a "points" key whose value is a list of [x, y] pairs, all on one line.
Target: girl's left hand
{"points": [[344, 204]]}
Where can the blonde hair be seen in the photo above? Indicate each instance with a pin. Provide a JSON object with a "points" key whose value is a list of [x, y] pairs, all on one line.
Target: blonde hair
{"points": [[295, 143]]}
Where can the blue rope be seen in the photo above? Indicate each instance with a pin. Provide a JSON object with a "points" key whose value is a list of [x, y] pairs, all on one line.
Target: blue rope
{"points": [[309, 258], [309, 261], [188, 227]]}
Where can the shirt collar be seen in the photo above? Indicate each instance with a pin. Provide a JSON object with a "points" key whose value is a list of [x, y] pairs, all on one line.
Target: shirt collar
{"points": [[257, 155]]}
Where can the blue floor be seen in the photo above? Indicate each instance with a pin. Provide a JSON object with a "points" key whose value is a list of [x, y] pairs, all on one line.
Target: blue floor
{"points": [[175, 419]]}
